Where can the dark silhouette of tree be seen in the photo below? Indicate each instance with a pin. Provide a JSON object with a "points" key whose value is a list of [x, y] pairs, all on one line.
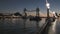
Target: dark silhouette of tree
{"points": [[59, 14], [17, 14], [1, 14], [56, 14]]}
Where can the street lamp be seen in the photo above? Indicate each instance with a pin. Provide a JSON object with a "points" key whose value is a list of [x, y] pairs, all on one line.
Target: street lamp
{"points": [[48, 6]]}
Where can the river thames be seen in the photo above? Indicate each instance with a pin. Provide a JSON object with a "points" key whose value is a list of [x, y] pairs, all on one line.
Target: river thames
{"points": [[16, 26]]}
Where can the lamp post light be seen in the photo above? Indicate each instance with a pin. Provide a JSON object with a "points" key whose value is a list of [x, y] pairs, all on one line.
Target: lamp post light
{"points": [[48, 7]]}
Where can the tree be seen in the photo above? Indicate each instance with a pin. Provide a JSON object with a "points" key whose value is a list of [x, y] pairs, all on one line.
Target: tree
{"points": [[17, 14], [1, 14]]}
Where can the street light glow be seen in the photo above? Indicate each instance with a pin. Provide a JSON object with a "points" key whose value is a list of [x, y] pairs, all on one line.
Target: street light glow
{"points": [[48, 5]]}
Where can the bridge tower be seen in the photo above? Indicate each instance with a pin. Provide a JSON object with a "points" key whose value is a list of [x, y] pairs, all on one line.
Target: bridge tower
{"points": [[37, 11]]}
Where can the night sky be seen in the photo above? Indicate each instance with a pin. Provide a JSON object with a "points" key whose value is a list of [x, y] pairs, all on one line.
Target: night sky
{"points": [[19, 5]]}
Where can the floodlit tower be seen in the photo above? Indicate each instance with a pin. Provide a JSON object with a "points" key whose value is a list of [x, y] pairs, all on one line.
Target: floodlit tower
{"points": [[48, 6]]}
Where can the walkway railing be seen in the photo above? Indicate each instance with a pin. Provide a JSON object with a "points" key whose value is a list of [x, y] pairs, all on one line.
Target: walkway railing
{"points": [[44, 29]]}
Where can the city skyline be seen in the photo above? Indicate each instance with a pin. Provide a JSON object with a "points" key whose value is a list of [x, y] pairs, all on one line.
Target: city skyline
{"points": [[19, 5]]}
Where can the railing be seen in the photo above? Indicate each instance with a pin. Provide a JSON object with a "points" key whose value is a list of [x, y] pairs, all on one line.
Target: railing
{"points": [[44, 29]]}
